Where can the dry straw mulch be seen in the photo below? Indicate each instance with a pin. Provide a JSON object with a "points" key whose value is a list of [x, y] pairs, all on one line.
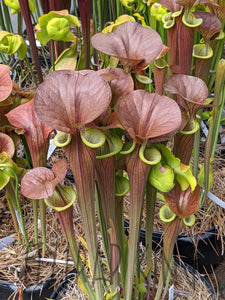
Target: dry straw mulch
{"points": [[18, 265]]}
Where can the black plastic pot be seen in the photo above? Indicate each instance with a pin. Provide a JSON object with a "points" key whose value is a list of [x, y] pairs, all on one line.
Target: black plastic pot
{"points": [[40, 291], [202, 253], [62, 286]]}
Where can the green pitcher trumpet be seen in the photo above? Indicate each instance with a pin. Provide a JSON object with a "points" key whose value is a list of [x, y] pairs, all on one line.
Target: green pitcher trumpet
{"points": [[162, 177]]}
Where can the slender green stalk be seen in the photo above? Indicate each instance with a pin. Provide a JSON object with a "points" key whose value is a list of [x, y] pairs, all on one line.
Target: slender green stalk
{"points": [[26, 151], [137, 172], [52, 54], [15, 189], [105, 170], [99, 7], [114, 261], [196, 41], [110, 11], [94, 5], [121, 238], [207, 156], [150, 72], [113, 10], [76, 14], [42, 207], [35, 214], [162, 31], [106, 60], [167, 279], [217, 55], [138, 267], [138, 278], [104, 12], [219, 99], [8, 22], [19, 24], [150, 210], [2, 22], [33, 18], [13, 214], [75, 7], [65, 217], [152, 22], [118, 8], [37, 9], [171, 233], [22, 72], [3, 59], [31, 71], [45, 58], [102, 224], [214, 121]]}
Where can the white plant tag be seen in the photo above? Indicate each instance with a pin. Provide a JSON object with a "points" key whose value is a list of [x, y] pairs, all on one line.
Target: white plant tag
{"points": [[171, 292], [19, 221]]}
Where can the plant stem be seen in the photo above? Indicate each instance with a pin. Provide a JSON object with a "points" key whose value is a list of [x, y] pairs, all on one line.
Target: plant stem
{"points": [[110, 10], [214, 121], [105, 174], [2, 23], [99, 14], [3, 59], [35, 214], [121, 238], [95, 19], [150, 210], [16, 188], [42, 207], [137, 172], [172, 230], [45, 58], [19, 24], [150, 72], [162, 31], [76, 14], [113, 10], [31, 71], [12, 211], [65, 217], [215, 60], [8, 22], [101, 218], [152, 22], [219, 99], [118, 8], [22, 72], [37, 8], [27, 151], [52, 54], [82, 161]]}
